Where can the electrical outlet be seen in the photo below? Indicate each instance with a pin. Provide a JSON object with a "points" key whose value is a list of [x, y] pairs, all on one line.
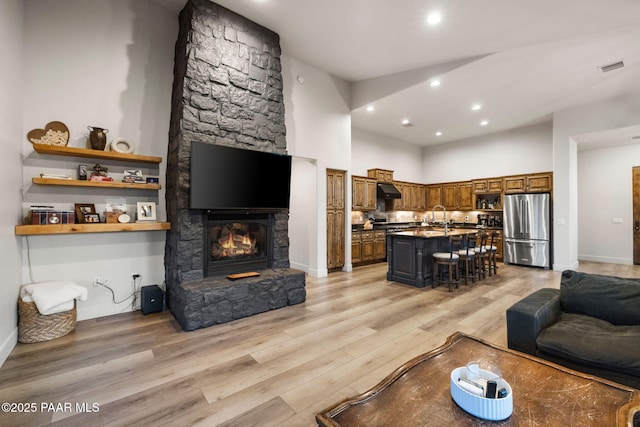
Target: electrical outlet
{"points": [[96, 282]]}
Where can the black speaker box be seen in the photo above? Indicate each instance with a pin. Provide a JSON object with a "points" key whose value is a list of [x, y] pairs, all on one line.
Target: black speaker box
{"points": [[152, 299]]}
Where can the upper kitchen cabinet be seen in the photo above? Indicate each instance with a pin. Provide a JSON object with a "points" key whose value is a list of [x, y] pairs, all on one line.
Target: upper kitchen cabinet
{"points": [[418, 197], [541, 182], [403, 203], [364, 193], [382, 175], [489, 185], [434, 195], [457, 195]]}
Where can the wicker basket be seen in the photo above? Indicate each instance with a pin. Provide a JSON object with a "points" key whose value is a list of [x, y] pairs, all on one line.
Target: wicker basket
{"points": [[34, 327]]}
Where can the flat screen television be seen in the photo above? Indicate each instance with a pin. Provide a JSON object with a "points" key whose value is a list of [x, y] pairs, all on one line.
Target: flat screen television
{"points": [[233, 178]]}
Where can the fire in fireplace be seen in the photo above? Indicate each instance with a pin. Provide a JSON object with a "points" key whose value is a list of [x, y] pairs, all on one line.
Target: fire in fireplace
{"points": [[237, 244], [236, 240]]}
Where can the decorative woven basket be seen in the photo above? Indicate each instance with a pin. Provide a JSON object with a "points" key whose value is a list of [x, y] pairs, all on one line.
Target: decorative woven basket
{"points": [[34, 327]]}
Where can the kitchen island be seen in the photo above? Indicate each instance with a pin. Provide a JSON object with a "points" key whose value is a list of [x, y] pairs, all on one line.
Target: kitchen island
{"points": [[410, 253]]}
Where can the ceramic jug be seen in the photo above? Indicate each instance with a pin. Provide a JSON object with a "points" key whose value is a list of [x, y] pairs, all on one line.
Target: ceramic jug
{"points": [[97, 137]]}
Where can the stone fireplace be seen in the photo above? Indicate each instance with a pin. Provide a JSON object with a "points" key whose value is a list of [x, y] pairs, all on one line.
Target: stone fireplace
{"points": [[227, 90]]}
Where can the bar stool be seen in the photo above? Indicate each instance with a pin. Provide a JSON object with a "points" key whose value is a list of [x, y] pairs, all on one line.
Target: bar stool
{"points": [[481, 255], [467, 258], [491, 254], [450, 260]]}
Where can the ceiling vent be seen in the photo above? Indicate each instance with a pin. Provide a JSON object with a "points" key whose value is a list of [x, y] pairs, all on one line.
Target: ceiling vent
{"points": [[611, 67]]}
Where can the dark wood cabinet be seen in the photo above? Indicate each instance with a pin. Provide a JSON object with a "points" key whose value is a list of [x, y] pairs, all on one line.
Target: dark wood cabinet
{"points": [[403, 203], [457, 195], [335, 239], [368, 246], [433, 195], [488, 185], [363, 193], [356, 247], [541, 182], [418, 197], [335, 190], [335, 219], [379, 245], [382, 175]]}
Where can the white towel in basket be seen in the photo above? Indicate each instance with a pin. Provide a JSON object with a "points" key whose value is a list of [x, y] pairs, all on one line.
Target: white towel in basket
{"points": [[53, 297]]}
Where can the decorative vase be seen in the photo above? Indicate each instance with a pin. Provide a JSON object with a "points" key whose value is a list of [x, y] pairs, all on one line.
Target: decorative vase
{"points": [[97, 137]]}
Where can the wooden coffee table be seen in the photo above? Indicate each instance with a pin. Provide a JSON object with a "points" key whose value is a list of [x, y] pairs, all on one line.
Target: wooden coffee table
{"points": [[544, 394]]}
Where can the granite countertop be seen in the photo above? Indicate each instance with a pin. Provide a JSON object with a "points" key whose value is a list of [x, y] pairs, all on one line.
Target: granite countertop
{"points": [[433, 234], [416, 225]]}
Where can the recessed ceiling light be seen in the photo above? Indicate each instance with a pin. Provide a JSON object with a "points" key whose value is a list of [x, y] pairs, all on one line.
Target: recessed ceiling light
{"points": [[484, 123], [370, 108], [406, 123], [438, 133], [434, 18], [434, 83], [476, 107]]}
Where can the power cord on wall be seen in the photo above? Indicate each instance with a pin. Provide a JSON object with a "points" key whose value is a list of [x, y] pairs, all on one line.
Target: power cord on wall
{"points": [[134, 284], [113, 295], [29, 260]]}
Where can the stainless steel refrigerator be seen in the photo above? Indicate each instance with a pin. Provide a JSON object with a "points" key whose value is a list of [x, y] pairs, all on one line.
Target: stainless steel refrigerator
{"points": [[527, 229]]}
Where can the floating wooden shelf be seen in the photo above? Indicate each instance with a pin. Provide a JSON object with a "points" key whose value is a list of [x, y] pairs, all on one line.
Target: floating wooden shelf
{"points": [[28, 230], [78, 183], [96, 154]]}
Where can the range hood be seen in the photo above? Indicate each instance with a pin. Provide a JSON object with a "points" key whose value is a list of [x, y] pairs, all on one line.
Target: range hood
{"points": [[388, 191]]}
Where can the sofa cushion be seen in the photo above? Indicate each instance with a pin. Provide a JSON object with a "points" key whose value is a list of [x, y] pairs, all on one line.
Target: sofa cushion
{"points": [[614, 299], [593, 342]]}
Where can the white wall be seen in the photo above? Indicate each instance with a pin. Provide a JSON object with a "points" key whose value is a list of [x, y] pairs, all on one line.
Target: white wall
{"points": [[319, 131], [97, 63], [605, 192], [303, 212], [371, 151], [11, 135], [521, 150], [567, 125]]}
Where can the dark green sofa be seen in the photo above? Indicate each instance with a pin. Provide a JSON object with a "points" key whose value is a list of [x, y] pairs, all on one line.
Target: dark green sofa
{"points": [[591, 324]]}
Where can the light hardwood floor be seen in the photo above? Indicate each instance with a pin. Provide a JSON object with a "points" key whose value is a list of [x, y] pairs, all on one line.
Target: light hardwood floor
{"points": [[275, 369]]}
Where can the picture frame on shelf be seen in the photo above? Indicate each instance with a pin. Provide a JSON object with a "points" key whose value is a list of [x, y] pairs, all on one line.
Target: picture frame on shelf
{"points": [[84, 208], [133, 176], [91, 218], [146, 211]]}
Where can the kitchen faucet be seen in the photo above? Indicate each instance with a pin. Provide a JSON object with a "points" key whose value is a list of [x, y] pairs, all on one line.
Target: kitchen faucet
{"points": [[444, 218]]}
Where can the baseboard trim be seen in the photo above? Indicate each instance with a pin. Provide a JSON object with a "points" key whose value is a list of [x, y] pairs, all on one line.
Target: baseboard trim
{"points": [[8, 345], [609, 260], [562, 267]]}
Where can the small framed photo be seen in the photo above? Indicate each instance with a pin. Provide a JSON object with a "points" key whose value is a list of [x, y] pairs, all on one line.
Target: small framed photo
{"points": [[133, 172], [133, 176], [82, 172], [84, 208], [91, 218], [146, 211]]}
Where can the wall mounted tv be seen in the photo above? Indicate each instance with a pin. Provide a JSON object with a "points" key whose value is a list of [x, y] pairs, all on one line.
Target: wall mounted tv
{"points": [[232, 178]]}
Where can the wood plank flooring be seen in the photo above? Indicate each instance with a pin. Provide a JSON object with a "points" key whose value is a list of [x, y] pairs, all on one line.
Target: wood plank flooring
{"points": [[275, 369]]}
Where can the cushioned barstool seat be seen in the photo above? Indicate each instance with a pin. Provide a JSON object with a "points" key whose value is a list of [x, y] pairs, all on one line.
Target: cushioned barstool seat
{"points": [[491, 254], [481, 255], [467, 258], [450, 260]]}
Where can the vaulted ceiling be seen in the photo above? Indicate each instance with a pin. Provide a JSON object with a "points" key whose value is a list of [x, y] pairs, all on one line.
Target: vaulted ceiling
{"points": [[518, 60]]}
